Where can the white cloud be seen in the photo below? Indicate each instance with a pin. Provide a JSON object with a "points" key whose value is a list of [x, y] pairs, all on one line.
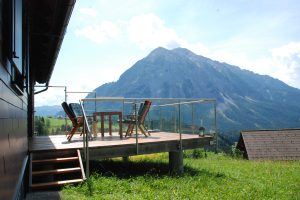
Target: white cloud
{"points": [[235, 58], [283, 62], [90, 12], [52, 96], [99, 32], [197, 48], [287, 59], [149, 31]]}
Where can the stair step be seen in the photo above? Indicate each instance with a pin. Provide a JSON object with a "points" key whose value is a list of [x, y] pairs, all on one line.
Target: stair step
{"points": [[56, 171], [55, 183], [66, 159], [53, 154], [54, 168]]}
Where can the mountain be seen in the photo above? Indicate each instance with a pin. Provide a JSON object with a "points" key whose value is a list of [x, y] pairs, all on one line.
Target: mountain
{"points": [[245, 100], [48, 110]]}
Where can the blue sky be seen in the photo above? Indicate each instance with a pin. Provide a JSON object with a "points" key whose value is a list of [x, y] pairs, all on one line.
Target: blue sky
{"points": [[106, 37]]}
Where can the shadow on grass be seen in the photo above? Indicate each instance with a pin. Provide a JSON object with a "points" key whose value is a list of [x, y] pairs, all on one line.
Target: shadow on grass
{"points": [[129, 169]]}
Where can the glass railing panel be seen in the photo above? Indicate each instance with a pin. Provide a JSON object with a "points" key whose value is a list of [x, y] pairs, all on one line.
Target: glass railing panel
{"points": [[174, 118]]}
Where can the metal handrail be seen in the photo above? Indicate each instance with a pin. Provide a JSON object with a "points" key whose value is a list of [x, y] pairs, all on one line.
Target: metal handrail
{"points": [[86, 138], [133, 99]]}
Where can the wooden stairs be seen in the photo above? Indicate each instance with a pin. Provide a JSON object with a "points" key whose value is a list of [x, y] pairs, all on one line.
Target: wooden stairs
{"points": [[55, 169]]}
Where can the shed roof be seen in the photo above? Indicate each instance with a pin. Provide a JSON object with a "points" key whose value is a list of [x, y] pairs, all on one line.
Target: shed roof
{"points": [[270, 144]]}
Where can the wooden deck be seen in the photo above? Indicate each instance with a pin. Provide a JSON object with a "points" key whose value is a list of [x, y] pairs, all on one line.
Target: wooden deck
{"points": [[114, 146]]}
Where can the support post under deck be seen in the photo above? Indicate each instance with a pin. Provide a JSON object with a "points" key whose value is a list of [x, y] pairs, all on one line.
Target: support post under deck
{"points": [[176, 162]]}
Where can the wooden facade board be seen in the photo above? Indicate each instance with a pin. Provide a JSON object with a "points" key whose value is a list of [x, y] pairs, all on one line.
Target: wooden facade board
{"points": [[4, 76], [1, 86], [3, 109], [10, 97], [13, 136]]}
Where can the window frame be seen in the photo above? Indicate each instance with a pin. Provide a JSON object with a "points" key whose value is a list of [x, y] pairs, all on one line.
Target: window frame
{"points": [[16, 47]]}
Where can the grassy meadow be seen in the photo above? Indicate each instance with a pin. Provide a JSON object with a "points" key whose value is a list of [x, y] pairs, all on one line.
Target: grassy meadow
{"points": [[56, 126], [206, 176]]}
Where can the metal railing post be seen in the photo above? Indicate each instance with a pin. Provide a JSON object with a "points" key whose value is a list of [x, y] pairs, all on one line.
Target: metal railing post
{"points": [[136, 127], [160, 116], [175, 120], [86, 131], [179, 116], [193, 118], [95, 102], [216, 131], [87, 173], [84, 144], [66, 123]]}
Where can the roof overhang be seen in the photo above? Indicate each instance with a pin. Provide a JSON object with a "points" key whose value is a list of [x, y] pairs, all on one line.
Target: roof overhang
{"points": [[48, 23]]}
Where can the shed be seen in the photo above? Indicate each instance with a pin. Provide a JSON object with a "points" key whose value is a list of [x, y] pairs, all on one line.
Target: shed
{"points": [[270, 144]]}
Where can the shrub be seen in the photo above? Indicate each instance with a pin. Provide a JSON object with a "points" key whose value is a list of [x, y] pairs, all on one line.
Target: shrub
{"points": [[195, 153]]}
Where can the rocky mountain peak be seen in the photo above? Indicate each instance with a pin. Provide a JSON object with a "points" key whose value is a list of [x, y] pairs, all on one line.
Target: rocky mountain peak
{"points": [[245, 100]]}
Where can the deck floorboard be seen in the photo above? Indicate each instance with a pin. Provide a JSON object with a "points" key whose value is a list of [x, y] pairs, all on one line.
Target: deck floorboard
{"points": [[59, 142]]}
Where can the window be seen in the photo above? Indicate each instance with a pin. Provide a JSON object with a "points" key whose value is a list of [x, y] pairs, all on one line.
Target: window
{"points": [[17, 34], [17, 71]]}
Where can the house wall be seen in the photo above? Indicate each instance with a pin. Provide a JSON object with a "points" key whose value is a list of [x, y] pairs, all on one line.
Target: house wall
{"points": [[13, 121]]}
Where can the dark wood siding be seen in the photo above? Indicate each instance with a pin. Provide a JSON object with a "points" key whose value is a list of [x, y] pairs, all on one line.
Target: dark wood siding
{"points": [[13, 123], [13, 138]]}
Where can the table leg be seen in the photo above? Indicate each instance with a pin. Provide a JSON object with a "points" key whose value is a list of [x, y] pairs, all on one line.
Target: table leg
{"points": [[102, 125], [109, 121], [95, 126], [120, 126]]}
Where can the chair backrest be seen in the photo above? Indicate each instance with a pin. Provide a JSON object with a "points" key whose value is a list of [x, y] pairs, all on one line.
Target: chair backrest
{"points": [[76, 108], [141, 108], [69, 112], [144, 111]]}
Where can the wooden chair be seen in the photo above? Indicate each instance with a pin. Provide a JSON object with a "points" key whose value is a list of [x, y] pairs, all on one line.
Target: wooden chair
{"points": [[141, 116], [77, 121]]}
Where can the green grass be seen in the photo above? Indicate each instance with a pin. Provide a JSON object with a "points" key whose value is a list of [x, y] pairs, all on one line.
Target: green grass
{"points": [[216, 177], [56, 122]]}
